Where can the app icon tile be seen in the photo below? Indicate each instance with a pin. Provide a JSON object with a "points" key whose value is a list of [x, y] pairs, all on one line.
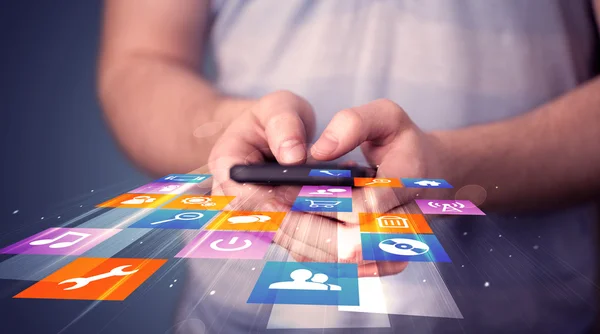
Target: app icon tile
{"points": [[186, 178], [448, 207], [160, 188], [326, 191], [94, 279], [181, 219], [402, 247], [393, 223], [195, 202], [247, 221], [61, 241], [330, 173], [376, 182], [307, 283], [139, 201], [319, 204], [425, 183], [228, 245]]}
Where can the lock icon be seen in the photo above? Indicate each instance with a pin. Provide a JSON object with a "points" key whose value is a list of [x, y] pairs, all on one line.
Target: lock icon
{"points": [[392, 222], [139, 200]]}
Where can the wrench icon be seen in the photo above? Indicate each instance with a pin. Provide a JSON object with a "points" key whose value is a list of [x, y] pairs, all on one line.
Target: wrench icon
{"points": [[80, 282]]}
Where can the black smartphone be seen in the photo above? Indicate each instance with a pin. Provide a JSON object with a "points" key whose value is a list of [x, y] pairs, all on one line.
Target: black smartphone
{"points": [[315, 175]]}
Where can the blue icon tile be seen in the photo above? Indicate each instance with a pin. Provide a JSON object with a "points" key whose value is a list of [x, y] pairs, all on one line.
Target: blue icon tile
{"points": [[425, 183], [330, 172], [187, 178], [181, 219], [402, 247], [320, 204], [307, 284]]}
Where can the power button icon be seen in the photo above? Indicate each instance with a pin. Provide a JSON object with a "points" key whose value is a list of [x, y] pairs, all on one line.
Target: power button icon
{"points": [[231, 245]]}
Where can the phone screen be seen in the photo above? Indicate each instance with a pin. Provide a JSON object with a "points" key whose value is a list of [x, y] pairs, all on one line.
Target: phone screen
{"points": [[275, 174]]}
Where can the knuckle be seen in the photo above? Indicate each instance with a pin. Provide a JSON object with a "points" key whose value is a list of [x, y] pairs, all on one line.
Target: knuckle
{"points": [[282, 121], [393, 109], [279, 99], [350, 118]]}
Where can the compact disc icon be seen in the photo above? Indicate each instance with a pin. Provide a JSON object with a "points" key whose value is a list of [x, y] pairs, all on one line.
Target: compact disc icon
{"points": [[405, 247]]}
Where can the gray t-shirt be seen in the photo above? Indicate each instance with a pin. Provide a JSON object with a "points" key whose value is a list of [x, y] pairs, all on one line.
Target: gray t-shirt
{"points": [[449, 64]]}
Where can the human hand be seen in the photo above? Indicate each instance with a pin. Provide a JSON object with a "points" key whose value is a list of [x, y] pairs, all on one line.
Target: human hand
{"points": [[390, 140], [258, 135], [277, 127]]}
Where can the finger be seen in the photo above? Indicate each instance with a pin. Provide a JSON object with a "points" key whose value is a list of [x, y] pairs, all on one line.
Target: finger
{"points": [[377, 122], [282, 115], [233, 150]]}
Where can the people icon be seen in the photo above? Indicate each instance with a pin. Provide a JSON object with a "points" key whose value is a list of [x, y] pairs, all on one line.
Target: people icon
{"points": [[300, 281]]}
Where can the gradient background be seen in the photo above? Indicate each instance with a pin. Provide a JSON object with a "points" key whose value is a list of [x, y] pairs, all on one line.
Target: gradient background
{"points": [[56, 149]]}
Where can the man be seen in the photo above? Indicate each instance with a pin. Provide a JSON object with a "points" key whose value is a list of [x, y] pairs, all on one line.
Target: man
{"points": [[499, 95]]}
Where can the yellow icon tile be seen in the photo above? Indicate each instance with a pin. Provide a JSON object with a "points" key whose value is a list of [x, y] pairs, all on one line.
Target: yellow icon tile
{"points": [[247, 221], [198, 202], [137, 201]]}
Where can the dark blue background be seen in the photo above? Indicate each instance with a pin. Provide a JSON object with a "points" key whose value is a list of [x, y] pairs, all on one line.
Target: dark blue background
{"points": [[55, 150]]}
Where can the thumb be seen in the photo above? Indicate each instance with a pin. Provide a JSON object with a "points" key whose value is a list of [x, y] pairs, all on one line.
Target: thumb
{"points": [[287, 120], [377, 122]]}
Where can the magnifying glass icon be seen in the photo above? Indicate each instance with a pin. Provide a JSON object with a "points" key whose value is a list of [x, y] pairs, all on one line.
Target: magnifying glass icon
{"points": [[182, 216], [379, 181]]}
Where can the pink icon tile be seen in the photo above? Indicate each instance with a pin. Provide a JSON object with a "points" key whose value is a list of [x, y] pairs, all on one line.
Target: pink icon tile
{"points": [[448, 207], [228, 245], [326, 191], [61, 241]]}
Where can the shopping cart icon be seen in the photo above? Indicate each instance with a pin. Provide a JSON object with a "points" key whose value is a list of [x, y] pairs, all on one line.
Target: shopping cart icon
{"points": [[323, 204]]}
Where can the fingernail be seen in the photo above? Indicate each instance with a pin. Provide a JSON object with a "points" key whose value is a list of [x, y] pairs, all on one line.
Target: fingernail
{"points": [[292, 151], [325, 145]]}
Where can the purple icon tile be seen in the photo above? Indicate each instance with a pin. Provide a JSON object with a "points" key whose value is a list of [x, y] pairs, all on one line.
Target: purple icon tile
{"points": [[160, 188], [228, 245], [326, 191], [61, 241], [448, 207]]}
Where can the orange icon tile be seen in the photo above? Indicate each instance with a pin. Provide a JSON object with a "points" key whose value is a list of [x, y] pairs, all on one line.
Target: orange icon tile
{"points": [[394, 223], [247, 221], [377, 182], [136, 201], [94, 279], [198, 202]]}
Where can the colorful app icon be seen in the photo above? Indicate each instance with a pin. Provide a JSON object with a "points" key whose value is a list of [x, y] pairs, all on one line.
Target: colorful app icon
{"points": [[448, 207], [94, 279], [61, 241], [330, 173], [402, 247], [376, 182], [425, 183], [228, 245], [181, 219], [247, 221], [326, 191], [393, 223], [139, 201], [307, 284], [160, 188], [195, 202], [186, 178], [319, 204]]}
